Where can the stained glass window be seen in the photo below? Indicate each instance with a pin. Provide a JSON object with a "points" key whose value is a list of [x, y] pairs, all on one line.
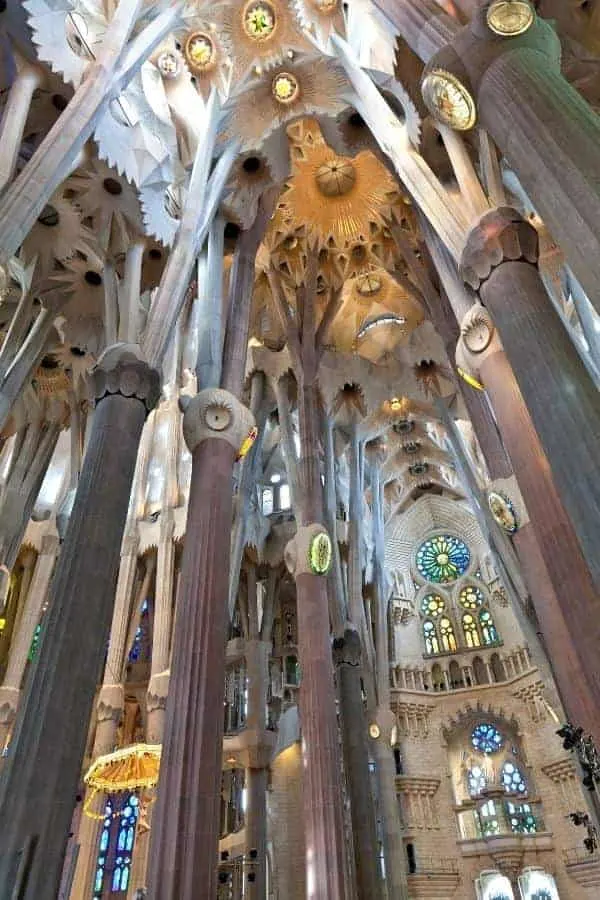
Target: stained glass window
{"points": [[442, 558], [432, 644], [476, 780], [486, 738], [35, 643], [512, 779], [521, 818], [103, 848], [432, 605], [137, 648], [488, 629], [447, 637], [471, 598], [124, 849], [488, 819], [470, 631]]}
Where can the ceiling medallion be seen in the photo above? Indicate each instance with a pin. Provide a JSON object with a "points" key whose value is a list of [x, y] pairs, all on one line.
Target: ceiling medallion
{"points": [[503, 511], [218, 417], [368, 284], [285, 88], [259, 20], [168, 64], [200, 52], [509, 18], [418, 468], [336, 177], [449, 100], [320, 553]]}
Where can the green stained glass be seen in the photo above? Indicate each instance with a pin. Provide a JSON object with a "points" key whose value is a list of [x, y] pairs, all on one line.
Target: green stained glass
{"points": [[443, 558], [432, 605]]}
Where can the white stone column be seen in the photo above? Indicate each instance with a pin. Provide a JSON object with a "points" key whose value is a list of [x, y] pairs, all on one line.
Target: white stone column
{"points": [[23, 636], [161, 634], [14, 117]]}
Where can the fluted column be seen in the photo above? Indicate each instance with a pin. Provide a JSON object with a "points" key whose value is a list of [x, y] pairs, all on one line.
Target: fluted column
{"points": [[499, 262], [14, 118], [569, 629], [161, 633], [259, 748], [214, 426], [23, 635], [347, 654], [40, 779]]}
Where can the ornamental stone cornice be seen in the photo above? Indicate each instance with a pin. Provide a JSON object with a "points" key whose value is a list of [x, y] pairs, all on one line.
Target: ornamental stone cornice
{"points": [[122, 369]]}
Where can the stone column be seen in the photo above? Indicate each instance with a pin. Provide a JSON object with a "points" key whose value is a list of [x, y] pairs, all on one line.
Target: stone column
{"points": [[499, 261], [161, 632], [43, 768], [568, 626], [214, 426], [23, 635], [346, 655], [546, 131], [14, 118]]}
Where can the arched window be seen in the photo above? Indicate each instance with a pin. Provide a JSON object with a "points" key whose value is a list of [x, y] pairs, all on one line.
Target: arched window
{"points": [[437, 678], [432, 606], [476, 781], [488, 629], [488, 819], [513, 780], [497, 668], [432, 644], [125, 841], [447, 637], [103, 848], [521, 818], [470, 631], [442, 559], [456, 676], [481, 674]]}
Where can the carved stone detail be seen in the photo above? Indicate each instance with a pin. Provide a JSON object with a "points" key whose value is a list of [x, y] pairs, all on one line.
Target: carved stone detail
{"points": [[110, 703], [346, 649], [158, 690], [122, 369], [510, 488], [466, 360], [297, 551], [9, 700], [215, 413], [500, 235]]}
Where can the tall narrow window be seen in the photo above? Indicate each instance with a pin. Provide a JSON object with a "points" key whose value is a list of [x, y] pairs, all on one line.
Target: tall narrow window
{"points": [[488, 629], [103, 848], [447, 637], [432, 644], [470, 631], [124, 849]]}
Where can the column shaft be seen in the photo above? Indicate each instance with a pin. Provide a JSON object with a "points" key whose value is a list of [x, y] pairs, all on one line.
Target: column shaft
{"points": [[185, 834], [256, 832], [42, 772], [571, 631]]}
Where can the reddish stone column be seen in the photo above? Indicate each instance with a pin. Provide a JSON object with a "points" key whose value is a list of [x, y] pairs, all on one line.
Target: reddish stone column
{"points": [[43, 769], [322, 792], [185, 830]]}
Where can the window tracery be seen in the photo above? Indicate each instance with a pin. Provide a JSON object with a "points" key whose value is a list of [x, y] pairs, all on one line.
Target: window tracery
{"points": [[442, 559]]}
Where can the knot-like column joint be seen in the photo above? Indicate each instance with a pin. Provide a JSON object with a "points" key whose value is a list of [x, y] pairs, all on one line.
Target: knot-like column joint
{"points": [[506, 504], [501, 235], [111, 702], [215, 413], [122, 369], [158, 690], [309, 551], [346, 649], [478, 340]]}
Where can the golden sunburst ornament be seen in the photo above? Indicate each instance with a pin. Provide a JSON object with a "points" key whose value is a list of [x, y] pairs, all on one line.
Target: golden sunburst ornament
{"points": [[200, 52], [259, 20], [509, 18], [285, 87], [339, 197]]}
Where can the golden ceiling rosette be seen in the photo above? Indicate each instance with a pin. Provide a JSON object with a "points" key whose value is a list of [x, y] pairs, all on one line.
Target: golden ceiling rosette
{"points": [[338, 197]]}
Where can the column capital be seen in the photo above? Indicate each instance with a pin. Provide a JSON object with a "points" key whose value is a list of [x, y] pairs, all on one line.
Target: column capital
{"points": [[216, 413], [122, 369], [309, 551], [110, 703], [501, 235], [347, 650], [158, 690], [478, 340]]}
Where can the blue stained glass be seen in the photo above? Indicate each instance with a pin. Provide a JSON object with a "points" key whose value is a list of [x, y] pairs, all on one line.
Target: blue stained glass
{"points": [[443, 558], [102, 849], [512, 779], [486, 738], [125, 842], [116, 881]]}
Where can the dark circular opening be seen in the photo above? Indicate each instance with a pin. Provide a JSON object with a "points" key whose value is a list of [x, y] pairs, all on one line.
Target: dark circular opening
{"points": [[356, 120], [231, 231], [93, 278], [49, 216], [77, 351], [155, 253], [251, 164], [59, 102], [359, 252], [49, 362], [426, 365], [112, 186]]}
